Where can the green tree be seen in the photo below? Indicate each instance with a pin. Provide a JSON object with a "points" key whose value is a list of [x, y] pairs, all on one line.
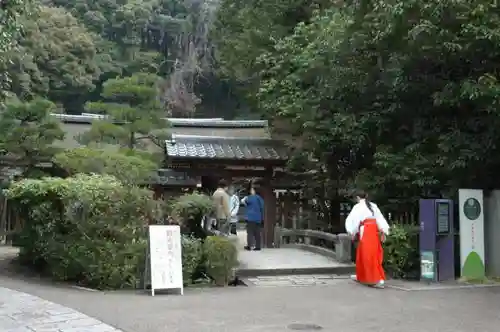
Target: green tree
{"points": [[166, 37], [11, 19], [240, 41], [133, 113], [28, 132], [244, 30], [57, 58], [393, 95], [127, 169], [143, 33]]}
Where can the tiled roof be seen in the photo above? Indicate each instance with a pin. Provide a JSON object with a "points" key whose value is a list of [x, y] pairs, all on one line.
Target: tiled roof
{"points": [[236, 148], [75, 125], [87, 118], [218, 123]]}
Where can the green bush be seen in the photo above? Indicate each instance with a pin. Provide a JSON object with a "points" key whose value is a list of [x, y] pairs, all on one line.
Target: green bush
{"points": [[401, 252], [126, 168], [192, 255], [189, 210], [89, 229], [221, 257]]}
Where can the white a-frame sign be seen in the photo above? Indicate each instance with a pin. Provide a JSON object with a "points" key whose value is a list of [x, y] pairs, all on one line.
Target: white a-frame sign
{"points": [[164, 259]]}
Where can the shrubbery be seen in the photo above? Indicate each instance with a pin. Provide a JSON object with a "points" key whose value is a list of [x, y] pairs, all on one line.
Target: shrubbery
{"points": [[92, 229], [213, 257], [89, 228], [192, 257], [129, 169], [189, 210], [221, 257], [401, 253]]}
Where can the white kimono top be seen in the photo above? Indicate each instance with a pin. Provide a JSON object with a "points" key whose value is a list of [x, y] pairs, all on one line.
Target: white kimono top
{"points": [[360, 213]]}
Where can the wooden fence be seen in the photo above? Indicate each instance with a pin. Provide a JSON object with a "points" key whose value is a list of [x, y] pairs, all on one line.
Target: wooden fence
{"points": [[337, 246], [10, 221], [294, 211]]}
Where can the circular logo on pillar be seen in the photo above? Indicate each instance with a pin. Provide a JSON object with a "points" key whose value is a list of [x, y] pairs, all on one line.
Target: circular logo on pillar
{"points": [[472, 208]]}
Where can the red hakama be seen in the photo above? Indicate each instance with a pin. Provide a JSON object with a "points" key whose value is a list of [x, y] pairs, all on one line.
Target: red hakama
{"points": [[369, 254]]}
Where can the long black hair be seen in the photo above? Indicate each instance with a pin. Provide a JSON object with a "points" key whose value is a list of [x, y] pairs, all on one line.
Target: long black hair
{"points": [[364, 195]]}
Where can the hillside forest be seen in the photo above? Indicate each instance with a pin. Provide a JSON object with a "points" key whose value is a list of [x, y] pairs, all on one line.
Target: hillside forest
{"points": [[400, 97]]}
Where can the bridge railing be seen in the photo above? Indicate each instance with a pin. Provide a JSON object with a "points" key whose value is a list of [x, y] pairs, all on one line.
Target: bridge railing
{"points": [[337, 246]]}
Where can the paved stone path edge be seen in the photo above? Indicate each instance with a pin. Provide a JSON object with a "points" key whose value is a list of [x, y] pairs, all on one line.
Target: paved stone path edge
{"points": [[21, 312]]}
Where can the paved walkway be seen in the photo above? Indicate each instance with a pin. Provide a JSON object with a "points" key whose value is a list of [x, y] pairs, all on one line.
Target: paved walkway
{"points": [[21, 312]]}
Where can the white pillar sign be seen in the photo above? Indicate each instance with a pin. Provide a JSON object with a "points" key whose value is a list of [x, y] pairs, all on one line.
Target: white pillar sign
{"points": [[165, 257], [471, 233]]}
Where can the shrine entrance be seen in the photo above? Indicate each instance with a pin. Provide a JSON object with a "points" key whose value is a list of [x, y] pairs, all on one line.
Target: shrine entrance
{"points": [[233, 159]]}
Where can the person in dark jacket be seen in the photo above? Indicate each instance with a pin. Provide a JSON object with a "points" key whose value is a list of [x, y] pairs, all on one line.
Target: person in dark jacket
{"points": [[254, 217]]}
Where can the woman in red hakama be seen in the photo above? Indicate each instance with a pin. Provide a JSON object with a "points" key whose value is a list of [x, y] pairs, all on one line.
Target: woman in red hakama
{"points": [[366, 222]]}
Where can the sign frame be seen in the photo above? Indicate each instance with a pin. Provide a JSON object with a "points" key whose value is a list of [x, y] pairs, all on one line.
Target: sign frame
{"points": [[472, 246], [163, 265], [439, 224]]}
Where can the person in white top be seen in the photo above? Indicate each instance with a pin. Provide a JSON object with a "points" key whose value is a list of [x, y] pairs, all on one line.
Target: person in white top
{"points": [[366, 222], [234, 206]]}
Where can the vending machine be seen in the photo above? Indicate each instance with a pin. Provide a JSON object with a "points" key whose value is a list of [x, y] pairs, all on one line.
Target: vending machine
{"points": [[437, 251]]}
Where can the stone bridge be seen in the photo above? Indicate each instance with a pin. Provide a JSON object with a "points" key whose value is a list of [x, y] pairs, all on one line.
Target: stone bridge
{"points": [[297, 252]]}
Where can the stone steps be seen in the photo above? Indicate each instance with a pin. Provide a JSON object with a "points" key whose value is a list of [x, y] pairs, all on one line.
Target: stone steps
{"points": [[344, 270], [296, 280]]}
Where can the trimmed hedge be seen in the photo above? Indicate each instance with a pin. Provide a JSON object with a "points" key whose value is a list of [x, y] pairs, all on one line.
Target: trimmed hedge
{"points": [[88, 229], [221, 257], [92, 230]]}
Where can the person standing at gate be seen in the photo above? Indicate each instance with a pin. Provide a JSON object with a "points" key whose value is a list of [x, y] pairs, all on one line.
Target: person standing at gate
{"points": [[235, 207], [222, 209], [366, 223], [254, 218]]}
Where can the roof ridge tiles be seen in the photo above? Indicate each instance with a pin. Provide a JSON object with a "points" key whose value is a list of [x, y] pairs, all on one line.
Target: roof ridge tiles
{"points": [[88, 118]]}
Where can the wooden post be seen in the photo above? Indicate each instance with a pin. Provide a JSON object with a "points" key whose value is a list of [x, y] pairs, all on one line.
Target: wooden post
{"points": [[270, 209], [279, 210], [295, 216], [288, 210]]}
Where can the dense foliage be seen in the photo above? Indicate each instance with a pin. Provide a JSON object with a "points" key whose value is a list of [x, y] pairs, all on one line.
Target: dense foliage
{"points": [[28, 132], [89, 228], [189, 209], [57, 58], [401, 254], [401, 96], [128, 169], [11, 17], [192, 258], [221, 258], [134, 62], [69, 48]]}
